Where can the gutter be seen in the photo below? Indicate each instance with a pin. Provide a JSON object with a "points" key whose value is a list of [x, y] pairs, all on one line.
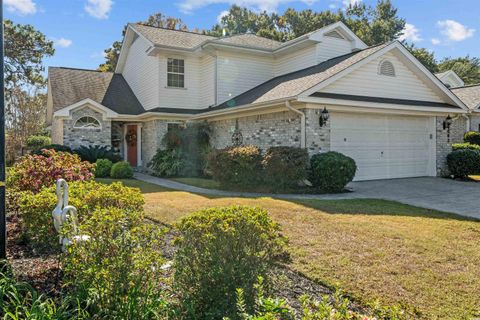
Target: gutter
{"points": [[303, 138]]}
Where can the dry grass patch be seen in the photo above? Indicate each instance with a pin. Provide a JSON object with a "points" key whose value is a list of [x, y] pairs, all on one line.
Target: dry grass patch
{"points": [[373, 249]]}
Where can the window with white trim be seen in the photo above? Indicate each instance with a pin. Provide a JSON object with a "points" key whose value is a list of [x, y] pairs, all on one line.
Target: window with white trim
{"points": [[386, 68], [176, 73], [87, 123]]}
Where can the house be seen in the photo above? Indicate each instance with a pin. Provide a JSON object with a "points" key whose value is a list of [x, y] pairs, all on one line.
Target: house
{"points": [[385, 109], [470, 95], [450, 79]]}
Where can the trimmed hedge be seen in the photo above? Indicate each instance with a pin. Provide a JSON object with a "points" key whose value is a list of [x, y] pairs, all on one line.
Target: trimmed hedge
{"points": [[121, 170], [103, 168], [37, 142], [472, 137], [465, 146], [462, 163], [238, 166], [284, 167], [331, 171]]}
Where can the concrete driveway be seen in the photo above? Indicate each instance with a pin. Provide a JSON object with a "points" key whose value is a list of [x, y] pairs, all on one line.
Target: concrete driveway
{"points": [[433, 193]]}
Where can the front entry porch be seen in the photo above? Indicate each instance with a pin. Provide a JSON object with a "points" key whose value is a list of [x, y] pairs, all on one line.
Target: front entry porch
{"points": [[127, 141]]}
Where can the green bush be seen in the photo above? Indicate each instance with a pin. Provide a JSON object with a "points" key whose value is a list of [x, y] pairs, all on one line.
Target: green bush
{"points": [[331, 171], [122, 170], [36, 209], [38, 142], [472, 137], [462, 163], [118, 271], [166, 163], [284, 167], [19, 300], [103, 168], [237, 166], [93, 153], [56, 147], [466, 145], [220, 250]]}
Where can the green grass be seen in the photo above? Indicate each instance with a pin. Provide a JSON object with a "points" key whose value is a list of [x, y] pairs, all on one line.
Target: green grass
{"points": [[144, 187], [199, 182], [373, 249]]}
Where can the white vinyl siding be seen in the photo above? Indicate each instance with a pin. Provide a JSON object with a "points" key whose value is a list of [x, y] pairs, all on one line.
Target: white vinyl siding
{"points": [[141, 74], [385, 146], [207, 83], [366, 81], [296, 60], [238, 73], [332, 47]]}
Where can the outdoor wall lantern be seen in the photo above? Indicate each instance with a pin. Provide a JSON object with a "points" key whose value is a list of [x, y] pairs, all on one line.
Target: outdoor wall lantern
{"points": [[447, 123], [324, 116]]}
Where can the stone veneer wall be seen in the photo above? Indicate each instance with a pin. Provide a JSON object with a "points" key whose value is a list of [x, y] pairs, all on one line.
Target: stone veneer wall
{"points": [[264, 131], [74, 138], [475, 123], [152, 134], [444, 144], [318, 138]]}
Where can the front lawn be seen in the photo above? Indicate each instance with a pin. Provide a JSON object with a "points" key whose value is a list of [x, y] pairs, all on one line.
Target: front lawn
{"points": [[373, 249]]}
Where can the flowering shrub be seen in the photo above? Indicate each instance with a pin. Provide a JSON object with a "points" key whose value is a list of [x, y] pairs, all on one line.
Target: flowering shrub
{"points": [[36, 208], [33, 172]]}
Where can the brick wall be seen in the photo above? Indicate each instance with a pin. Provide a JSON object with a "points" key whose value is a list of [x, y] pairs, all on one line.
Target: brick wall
{"points": [[152, 135], [444, 144]]}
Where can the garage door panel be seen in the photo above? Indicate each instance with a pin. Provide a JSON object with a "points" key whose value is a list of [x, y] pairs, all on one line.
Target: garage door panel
{"points": [[384, 146]]}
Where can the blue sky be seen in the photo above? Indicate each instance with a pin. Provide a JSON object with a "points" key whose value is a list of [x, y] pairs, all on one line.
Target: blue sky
{"points": [[82, 29]]}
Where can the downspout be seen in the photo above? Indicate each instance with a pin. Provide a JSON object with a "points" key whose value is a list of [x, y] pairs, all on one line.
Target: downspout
{"points": [[303, 138]]}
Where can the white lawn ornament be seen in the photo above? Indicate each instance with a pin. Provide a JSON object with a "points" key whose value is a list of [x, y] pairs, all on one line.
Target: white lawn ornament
{"points": [[64, 212]]}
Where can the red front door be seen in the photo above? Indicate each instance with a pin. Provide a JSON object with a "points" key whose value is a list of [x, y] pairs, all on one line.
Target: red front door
{"points": [[131, 137]]}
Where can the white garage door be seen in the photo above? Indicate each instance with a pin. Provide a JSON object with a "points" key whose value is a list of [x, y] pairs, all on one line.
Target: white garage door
{"points": [[385, 146]]}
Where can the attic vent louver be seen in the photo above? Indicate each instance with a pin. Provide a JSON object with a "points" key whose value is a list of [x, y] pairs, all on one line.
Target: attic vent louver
{"points": [[386, 68], [334, 34]]}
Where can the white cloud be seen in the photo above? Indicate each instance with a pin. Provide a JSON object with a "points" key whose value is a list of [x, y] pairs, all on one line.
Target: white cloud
{"points": [[22, 7], [410, 33], [63, 43], [188, 6], [332, 5], [454, 30], [435, 41], [221, 15], [347, 3], [99, 8]]}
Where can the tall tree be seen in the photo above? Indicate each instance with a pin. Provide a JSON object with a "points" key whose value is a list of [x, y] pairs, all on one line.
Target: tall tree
{"points": [[467, 68], [158, 20], [25, 50], [427, 58]]}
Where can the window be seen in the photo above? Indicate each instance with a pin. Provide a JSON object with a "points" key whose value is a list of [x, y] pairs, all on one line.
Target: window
{"points": [[87, 123], [176, 73], [386, 68]]}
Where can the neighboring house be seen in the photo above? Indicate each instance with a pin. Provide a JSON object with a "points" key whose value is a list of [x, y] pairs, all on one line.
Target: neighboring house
{"points": [[387, 111], [450, 79], [470, 95]]}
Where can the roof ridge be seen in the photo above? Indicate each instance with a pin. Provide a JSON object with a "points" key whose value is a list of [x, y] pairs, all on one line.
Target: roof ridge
{"points": [[168, 29], [79, 69]]}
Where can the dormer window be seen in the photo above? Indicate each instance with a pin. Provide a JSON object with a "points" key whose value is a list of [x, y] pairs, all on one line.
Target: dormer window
{"points": [[175, 73], [386, 68]]}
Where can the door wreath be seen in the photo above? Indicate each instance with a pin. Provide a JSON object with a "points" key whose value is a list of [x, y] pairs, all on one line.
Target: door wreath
{"points": [[131, 138]]}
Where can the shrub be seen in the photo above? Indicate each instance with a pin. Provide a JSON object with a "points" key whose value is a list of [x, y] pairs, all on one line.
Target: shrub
{"points": [[466, 145], [118, 271], [238, 166], [284, 167], [331, 171], [55, 147], [462, 163], [220, 250], [36, 209], [93, 153], [103, 168], [166, 163], [38, 142], [34, 172], [121, 170], [472, 137]]}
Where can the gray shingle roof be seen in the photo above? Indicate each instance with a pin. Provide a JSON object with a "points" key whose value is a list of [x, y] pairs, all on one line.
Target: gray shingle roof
{"points": [[172, 38], [470, 95], [250, 40], [69, 86], [293, 84]]}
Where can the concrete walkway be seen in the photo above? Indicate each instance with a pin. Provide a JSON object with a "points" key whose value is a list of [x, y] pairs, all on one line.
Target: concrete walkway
{"points": [[433, 193]]}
